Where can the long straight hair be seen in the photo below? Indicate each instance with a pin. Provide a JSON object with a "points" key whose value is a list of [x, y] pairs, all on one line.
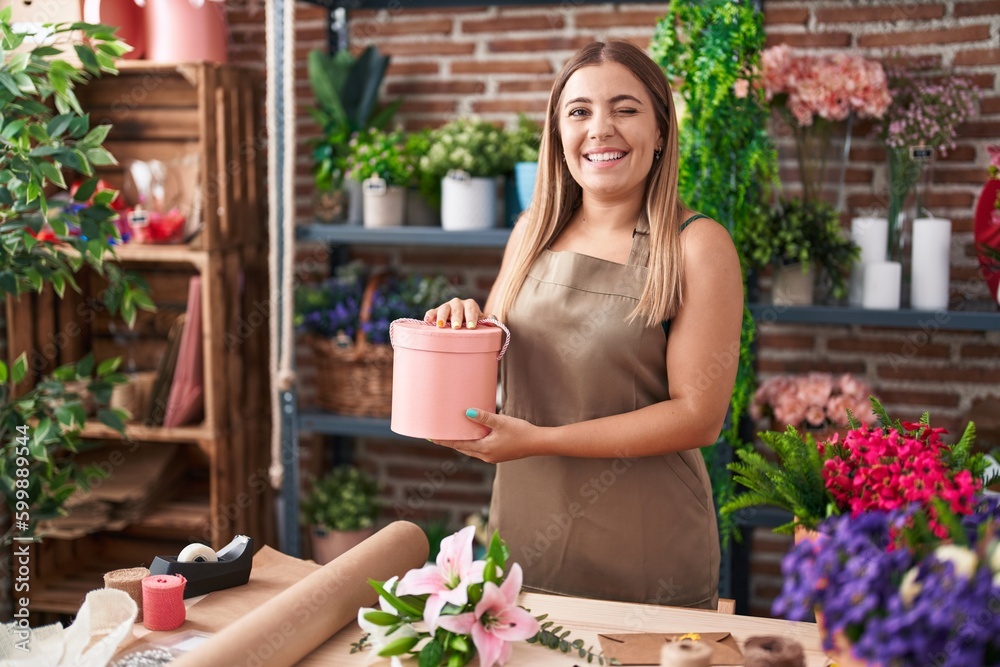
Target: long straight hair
{"points": [[557, 194]]}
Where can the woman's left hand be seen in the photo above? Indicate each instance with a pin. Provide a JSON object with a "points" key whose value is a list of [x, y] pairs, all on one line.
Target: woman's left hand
{"points": [[509, 438]]}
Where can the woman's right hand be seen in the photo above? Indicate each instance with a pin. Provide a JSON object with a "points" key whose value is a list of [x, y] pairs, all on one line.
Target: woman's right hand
{"points": [[456, 313]]}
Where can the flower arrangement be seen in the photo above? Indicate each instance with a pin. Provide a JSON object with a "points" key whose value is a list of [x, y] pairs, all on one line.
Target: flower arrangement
{"points": [[885, 467], [814, 400], [332, 308], [987, 225], [346, 498], [797, 230], [468, 144], [893, 592], [374, 153], [447, 612]]}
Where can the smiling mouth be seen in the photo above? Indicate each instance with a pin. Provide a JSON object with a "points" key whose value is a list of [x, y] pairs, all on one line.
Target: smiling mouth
{"points": [[605, 156]]}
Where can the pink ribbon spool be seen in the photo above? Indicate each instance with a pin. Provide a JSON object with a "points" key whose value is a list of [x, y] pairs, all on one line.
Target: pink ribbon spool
{"points": [[163, 601]]}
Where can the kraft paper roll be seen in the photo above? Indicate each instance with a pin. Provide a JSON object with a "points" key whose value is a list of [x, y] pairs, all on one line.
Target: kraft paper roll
{"points": [[130, 581], [773, 652], [685, 654], [931, 264], [298, 620]]}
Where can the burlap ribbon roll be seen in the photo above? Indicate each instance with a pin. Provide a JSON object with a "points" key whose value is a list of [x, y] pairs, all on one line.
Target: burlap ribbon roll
{"points": [[130, 581], [685, 654], [773, 652]]}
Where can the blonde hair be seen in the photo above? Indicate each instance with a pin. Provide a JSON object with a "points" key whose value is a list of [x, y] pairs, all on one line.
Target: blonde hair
{"points": [[557, 194]]}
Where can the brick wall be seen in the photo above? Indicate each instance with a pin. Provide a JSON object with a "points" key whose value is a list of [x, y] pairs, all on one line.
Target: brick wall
{"points": [[497, 61]]}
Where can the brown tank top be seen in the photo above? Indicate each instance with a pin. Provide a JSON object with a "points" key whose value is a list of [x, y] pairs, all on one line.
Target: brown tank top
{"points": [[631, 529]]}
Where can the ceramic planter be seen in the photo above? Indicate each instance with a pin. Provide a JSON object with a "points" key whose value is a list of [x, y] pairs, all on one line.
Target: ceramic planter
{"points": [[468, 203], [524, 178], [385, 205], [792, 286], [328, 545]]}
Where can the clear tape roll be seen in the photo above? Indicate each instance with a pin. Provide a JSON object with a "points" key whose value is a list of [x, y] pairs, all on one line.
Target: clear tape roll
{"points": [[197, 553]]}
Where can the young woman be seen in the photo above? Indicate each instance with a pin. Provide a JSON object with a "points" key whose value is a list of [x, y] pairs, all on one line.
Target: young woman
{"points": [[624, 309]]}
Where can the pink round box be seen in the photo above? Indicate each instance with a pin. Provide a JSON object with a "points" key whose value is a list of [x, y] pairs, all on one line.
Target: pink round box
{"points": [[439, 373]]}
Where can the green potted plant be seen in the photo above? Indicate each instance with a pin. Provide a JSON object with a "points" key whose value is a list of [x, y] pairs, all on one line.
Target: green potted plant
{"points": [[525, 139], [795, 239], [49, 231], [466, 156], [341, 509], [381, 163], [423, 201], [347, 91]]}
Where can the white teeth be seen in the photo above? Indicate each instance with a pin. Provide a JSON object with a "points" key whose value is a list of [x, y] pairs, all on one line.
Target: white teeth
{"points": [[604, 157]]}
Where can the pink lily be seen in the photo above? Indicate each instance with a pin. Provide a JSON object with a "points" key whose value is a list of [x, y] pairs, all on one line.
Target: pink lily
{"points": [[448, 581], [496, 622]]}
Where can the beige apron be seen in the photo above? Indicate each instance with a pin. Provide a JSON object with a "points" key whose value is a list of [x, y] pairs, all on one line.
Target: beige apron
{"points": [[640, 529]]}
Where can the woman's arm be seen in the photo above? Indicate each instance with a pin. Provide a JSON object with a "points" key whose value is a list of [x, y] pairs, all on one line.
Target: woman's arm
{"points": [[702, 357]]}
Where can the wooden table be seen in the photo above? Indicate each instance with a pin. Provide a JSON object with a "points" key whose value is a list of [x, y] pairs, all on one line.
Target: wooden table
{"points": [[586, 618]]}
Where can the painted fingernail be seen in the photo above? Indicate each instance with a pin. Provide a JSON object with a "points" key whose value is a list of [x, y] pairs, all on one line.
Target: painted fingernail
{"points": [[471, 413], [470, 324], [456, 325], [440, 323]]}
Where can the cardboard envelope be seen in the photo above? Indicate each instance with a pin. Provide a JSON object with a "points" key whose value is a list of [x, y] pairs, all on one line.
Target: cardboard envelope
{"points": [[644, 648]]}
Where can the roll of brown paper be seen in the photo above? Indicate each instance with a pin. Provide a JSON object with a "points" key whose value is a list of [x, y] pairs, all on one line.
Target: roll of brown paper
{"points": [[295, 622], [685, 654], [130, 581], [773, 652]]}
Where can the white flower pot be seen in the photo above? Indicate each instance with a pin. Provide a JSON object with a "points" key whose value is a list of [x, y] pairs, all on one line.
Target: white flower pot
{"points": [[385, 205], [468, 203], [792, 286]]}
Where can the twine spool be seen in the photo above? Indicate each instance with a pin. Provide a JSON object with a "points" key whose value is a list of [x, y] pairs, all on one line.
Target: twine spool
{"points": [[773, 652], [163, 601], [685, 654], [130, 581]]}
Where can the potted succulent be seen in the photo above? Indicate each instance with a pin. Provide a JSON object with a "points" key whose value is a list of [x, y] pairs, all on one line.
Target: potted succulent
{"points": [[380, 162], [795, 239], [346, 90], [47, 235], [525, 138], [466, 156], [341, 509]]}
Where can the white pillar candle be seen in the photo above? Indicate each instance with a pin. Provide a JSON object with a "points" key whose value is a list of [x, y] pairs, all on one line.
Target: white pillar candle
{"points": [[871, 235], [931, 264], [882, 285]]}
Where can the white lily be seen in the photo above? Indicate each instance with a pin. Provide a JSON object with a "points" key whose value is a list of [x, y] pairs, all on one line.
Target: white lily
{"points": [[909, 588], [963, 560]]}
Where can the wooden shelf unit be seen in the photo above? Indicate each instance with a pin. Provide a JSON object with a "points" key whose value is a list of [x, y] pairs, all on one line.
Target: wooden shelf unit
{"points": [[162, 112]]}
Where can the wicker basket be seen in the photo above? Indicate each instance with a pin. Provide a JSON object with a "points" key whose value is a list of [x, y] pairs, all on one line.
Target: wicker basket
{"points": [[354, 377]]}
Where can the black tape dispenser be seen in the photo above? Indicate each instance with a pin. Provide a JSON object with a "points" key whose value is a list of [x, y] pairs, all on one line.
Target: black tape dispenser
{"points": [[207, 570]]}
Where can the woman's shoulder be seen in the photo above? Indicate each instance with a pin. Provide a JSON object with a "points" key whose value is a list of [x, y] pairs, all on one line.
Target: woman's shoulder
{"points": [[698, 230]]}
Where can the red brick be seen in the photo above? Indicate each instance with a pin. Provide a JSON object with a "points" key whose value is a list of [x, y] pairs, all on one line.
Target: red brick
{"points": [[918, 398], [971, 375], [858, 175], [969, 175], [398, 68], [409, 473], [981, 351], [417, 124], [497, 106], [913, 344], [961, 153], [538, 44], [793, 15], [437, 47], [786, 341], [983, 8], [985, 129], [950, 199], [989, 105], [437, 87], [445, 494], [643, 43], [809, 365], [978, 57], [873, 14], [965, 273], [429, 106], [865, 200], [868, 154], [462, 257], [970, 33], [509, 23], [981, 81], [542, 85], [501, 67], [376, 29], [810, 39], [617, 19]]}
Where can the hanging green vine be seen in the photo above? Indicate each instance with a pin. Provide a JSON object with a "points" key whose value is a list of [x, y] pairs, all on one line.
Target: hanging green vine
{"points": [[711, 51]]}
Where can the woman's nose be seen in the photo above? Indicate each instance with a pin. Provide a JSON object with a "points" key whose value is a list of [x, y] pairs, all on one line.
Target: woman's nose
{"points": [[601, 126]]}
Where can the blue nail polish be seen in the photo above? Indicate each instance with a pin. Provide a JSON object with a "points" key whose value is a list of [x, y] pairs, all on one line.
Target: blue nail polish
{"points": [[471, 413]]}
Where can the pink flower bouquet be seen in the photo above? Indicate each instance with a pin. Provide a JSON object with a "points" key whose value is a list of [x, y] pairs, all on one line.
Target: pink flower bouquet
{"points": [[812, 401], [446, 612]]}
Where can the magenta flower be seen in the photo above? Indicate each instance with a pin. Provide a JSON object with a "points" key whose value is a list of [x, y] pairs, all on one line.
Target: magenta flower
{"points": [[449, 580], [496, 622]]}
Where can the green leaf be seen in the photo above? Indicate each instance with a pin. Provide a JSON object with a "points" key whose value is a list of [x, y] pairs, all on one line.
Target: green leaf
{"points": [[381, 618], [396, 602], [86, 190], [111, 419], [142, 300], [13, 129], [430, 655], [53, 173], [59, 124], [86, 56], [20, 369], [100, 157], [8, 82], [398, 646], [85, 367], [3, 372], [97, 135], [108, 366], [71, 415]]}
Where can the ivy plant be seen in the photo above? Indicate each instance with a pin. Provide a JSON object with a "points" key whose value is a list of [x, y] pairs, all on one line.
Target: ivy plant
{"points": [[711, 50], [49, 231]]}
